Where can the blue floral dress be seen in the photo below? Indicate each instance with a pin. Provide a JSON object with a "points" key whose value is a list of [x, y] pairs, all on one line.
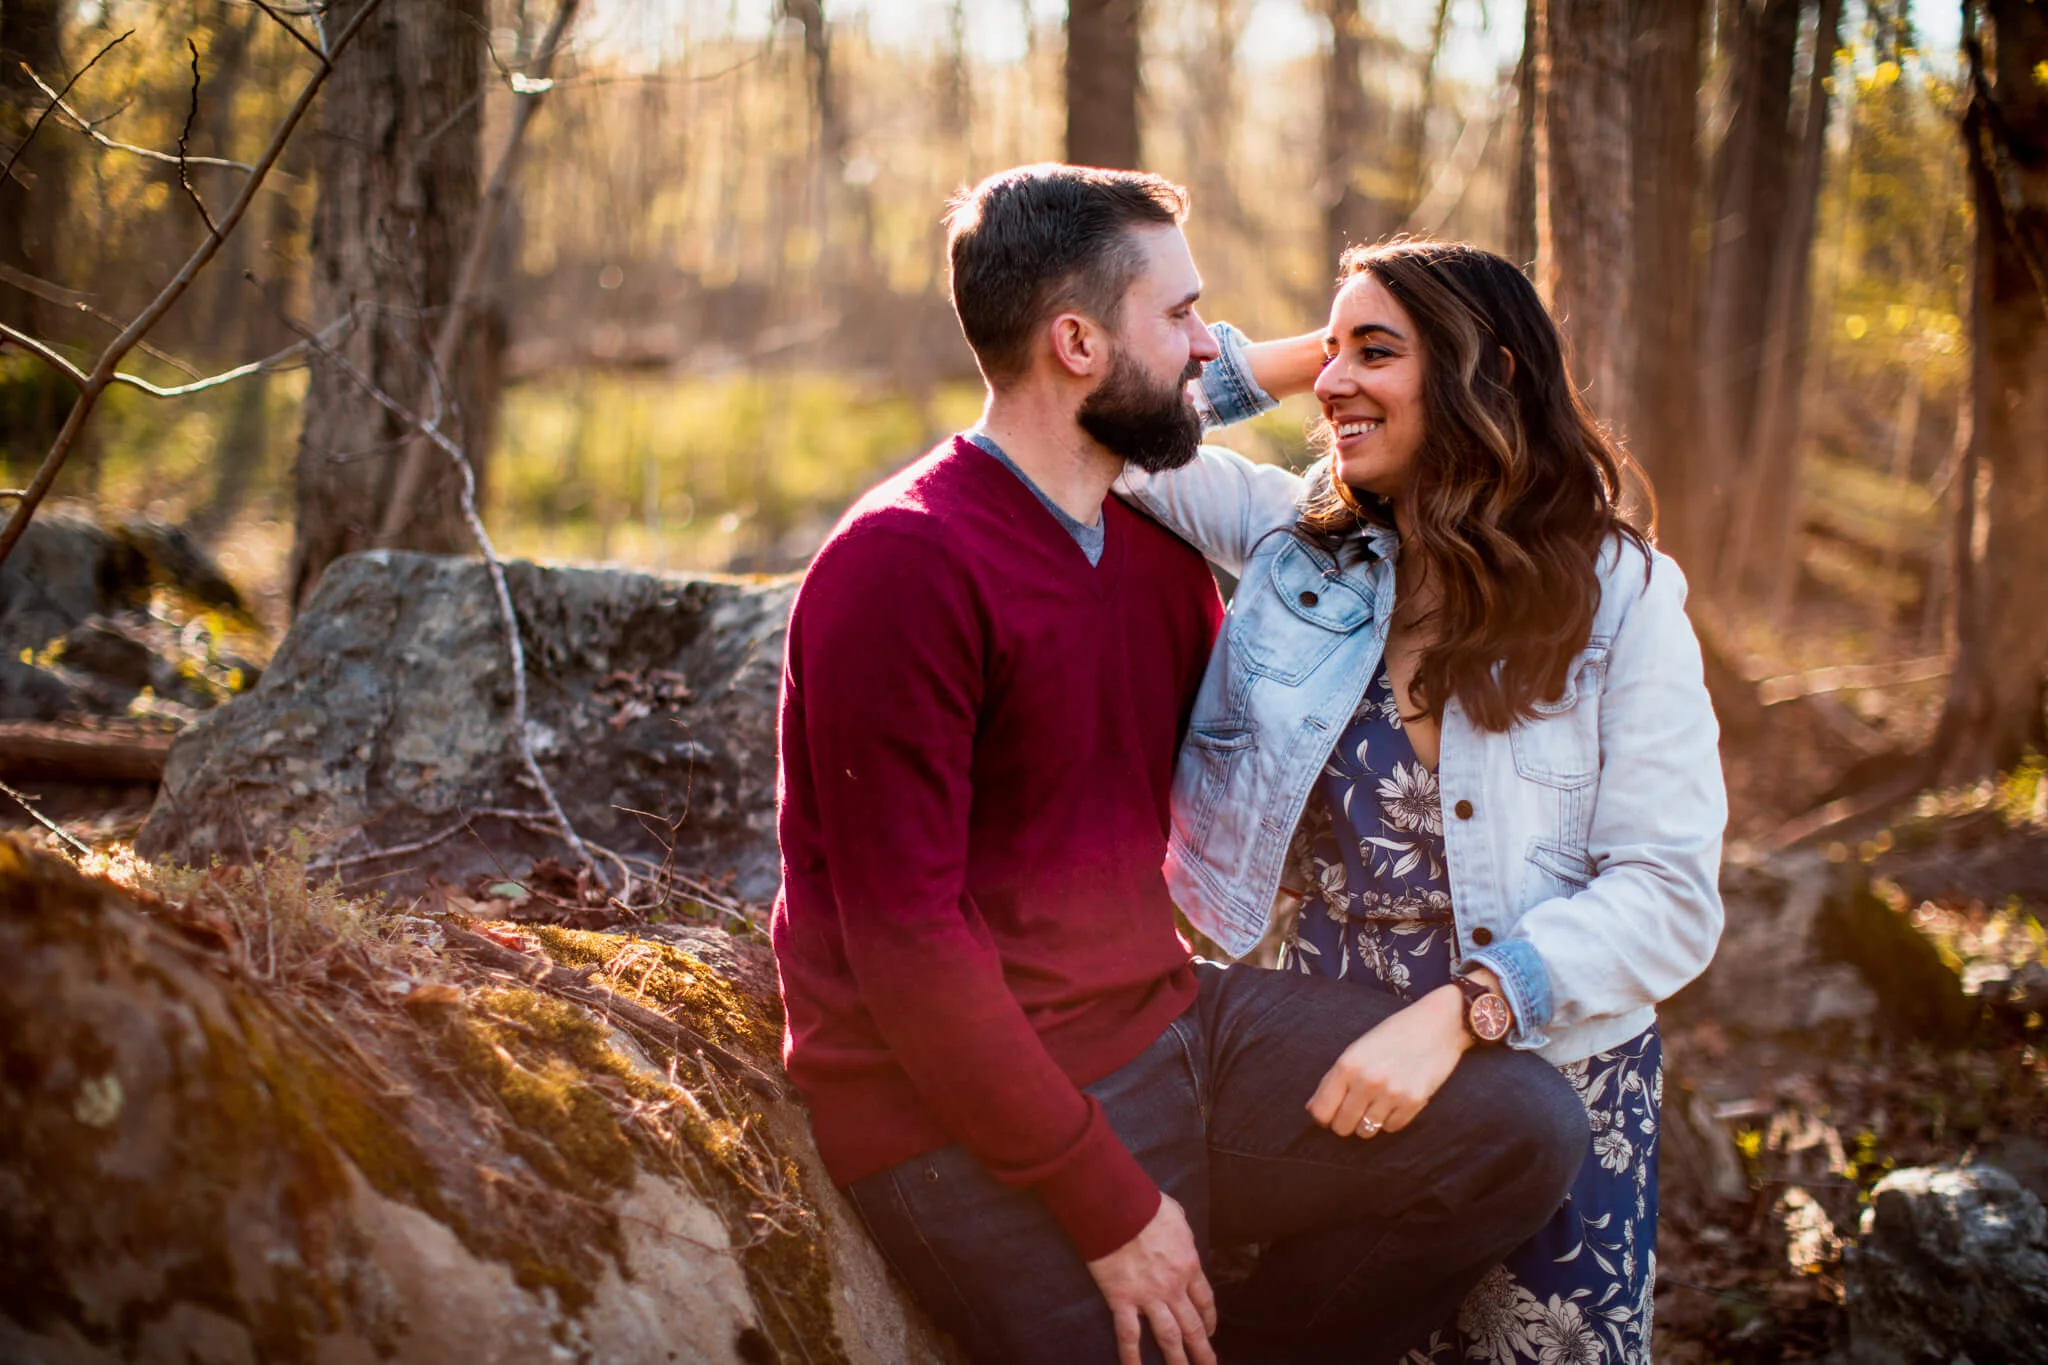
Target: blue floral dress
{"points": [[1378, 912]]}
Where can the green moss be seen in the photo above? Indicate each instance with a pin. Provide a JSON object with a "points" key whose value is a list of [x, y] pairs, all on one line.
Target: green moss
{"points": [[669, 981], [730, 1155]]}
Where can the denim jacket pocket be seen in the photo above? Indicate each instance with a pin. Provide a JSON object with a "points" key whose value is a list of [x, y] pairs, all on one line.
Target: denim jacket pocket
{"points": [[1204, 773], [1572, 869], [1560, 745], [1287, 621]]}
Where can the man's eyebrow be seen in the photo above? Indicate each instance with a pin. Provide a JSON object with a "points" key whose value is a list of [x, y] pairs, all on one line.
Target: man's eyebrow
{"points": [[1187, 302]]}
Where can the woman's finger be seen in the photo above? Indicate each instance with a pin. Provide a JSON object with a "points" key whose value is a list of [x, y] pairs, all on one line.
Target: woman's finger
{"points": [[1322, 1106], [1403, 1115], [1353, 1107]]}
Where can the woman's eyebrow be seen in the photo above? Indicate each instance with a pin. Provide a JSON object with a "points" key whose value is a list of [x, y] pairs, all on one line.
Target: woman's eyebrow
{"points": [[1360, 333]]}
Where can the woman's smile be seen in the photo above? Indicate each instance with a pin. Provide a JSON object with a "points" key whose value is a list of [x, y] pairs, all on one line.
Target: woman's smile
{"points": [[1371, 388]]}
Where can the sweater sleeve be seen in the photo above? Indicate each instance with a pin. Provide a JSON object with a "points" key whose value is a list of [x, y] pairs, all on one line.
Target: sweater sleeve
{"points": [[887, 646]]}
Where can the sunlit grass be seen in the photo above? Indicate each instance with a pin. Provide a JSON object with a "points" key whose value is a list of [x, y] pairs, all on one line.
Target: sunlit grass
{"points": [[700, 473]]}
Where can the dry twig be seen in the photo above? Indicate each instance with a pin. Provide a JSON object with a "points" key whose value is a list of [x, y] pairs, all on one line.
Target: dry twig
{"points": [[37, 126], [106, 367]]}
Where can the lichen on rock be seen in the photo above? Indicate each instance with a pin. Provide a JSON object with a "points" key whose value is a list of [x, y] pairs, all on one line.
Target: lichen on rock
{"points": [[235, 1128]]}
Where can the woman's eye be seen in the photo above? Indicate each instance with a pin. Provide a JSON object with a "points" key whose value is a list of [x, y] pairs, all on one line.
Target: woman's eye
{"points": [[1372, 353]]}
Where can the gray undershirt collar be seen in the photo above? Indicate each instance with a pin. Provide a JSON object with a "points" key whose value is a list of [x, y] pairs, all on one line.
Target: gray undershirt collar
{"points": [[1089, 538]]}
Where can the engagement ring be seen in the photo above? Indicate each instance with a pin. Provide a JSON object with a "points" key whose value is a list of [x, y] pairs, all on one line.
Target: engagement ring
{"points": [[1367, 1127]]}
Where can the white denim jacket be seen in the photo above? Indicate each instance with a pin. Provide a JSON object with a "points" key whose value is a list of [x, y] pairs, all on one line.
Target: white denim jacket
{"points": [[1584, 845]]}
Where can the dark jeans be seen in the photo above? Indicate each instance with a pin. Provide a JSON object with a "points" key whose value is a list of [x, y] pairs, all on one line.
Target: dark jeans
{"points": [[1367, 1244]]}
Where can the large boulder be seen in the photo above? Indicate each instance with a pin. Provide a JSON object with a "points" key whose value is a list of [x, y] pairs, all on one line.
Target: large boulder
{"points": [[383, 723], [1952, 1266], [250, 1120]]}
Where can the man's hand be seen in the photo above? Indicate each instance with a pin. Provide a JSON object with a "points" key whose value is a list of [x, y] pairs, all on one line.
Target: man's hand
{"points": [[1157, 1277]]}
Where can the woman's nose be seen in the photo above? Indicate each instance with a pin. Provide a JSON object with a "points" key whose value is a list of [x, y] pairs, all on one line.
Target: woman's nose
{"points": [[1334, 382]]}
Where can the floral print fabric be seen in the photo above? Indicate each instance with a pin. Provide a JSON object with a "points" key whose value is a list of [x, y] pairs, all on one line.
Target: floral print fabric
{"points": [[1378, 912]]}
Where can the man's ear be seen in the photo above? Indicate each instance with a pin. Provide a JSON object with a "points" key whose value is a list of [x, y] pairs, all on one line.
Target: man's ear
{"points": [[1079, 345]]}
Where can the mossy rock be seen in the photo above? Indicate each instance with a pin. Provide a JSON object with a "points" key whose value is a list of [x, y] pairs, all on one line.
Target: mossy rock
{"points": [[198, 1163]]}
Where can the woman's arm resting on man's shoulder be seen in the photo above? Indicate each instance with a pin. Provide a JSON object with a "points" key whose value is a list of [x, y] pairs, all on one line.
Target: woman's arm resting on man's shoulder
{"points": [[1288, 366], [1221, 502]]}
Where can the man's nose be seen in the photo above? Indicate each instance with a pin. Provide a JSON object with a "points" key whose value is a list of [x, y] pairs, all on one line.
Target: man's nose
{"points": [[1201, 345]]}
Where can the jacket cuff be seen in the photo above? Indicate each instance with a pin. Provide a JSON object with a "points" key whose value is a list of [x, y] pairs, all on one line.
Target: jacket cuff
{"points": [[1228, 393], [1525, 981], [1099, 1194]]}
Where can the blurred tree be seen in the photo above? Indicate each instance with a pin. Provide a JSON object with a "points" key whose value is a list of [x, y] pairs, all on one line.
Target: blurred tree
{"points": [[1521, 225], [1762, 549], [1994, 709], [397, 160], [1103, 82], [1352, 130], [1584, 241], [1664, 80], [1751, 169], [33, 200]]}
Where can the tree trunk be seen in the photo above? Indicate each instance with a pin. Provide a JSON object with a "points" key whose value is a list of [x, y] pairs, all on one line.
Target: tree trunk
{"points": [[1584, 245], [1751, 170], [1350, 214], [1521, 228], [1103, 82], [32, 204], [1762, 550], [1993, 712], [398, 162], [1664, 76]]}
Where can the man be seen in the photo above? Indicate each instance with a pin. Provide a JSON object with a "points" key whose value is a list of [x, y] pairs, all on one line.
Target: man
{"points": [[1041, 1107]]}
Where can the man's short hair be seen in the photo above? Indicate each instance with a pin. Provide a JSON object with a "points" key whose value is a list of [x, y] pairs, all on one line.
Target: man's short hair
{"points": [[1034, 241]]}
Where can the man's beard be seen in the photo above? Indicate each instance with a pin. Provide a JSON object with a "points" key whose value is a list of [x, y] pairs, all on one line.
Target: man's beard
{"points": [[1154, 428]]}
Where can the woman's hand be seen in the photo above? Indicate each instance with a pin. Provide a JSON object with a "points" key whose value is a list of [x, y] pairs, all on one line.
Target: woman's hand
{"points": [[1390, 1073]]}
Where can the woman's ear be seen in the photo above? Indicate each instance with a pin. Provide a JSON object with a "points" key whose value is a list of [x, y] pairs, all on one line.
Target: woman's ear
{"points": [[1508, 359]]}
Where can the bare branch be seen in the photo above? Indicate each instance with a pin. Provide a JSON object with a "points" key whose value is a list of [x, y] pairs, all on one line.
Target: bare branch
{"points": [[289, 27], [45, 821], [455, 324], [107, 366], [37, 126], [71, 298], [185, 137], [91, 129], [515, 647], [44, 351]]}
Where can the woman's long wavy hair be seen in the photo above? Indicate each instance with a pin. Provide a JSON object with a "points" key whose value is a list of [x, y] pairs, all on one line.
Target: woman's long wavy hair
{"points": [[1518, 490]]}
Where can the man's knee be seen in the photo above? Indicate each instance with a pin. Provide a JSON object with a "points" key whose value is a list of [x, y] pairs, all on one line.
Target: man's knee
{"points": [[1550, 1121]]}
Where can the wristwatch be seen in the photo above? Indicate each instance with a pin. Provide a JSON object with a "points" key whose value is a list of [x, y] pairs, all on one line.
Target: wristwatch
{"points": [[1487, 1016]]}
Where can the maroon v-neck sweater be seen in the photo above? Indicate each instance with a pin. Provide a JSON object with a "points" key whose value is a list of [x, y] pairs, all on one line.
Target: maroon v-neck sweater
{"points": [[978, 733]]}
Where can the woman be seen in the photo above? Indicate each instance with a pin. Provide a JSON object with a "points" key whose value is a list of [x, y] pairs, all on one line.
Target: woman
{"points": [[1457, 710]]}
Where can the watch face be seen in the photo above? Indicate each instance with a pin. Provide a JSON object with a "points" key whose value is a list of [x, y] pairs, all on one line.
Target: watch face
{"points": [[1489, 1018]]}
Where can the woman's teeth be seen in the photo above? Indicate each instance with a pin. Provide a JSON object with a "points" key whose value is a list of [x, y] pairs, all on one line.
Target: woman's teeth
{"points": [[1356, 428]]}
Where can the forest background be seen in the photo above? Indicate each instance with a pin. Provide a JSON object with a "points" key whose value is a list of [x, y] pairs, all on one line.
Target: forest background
{"points": [[719, 306], [1800, 249]]}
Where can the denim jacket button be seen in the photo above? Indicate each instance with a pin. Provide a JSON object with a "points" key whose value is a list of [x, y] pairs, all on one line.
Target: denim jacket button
{"points": [[1482, 936], [1309, 599], [1463, 809]]}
